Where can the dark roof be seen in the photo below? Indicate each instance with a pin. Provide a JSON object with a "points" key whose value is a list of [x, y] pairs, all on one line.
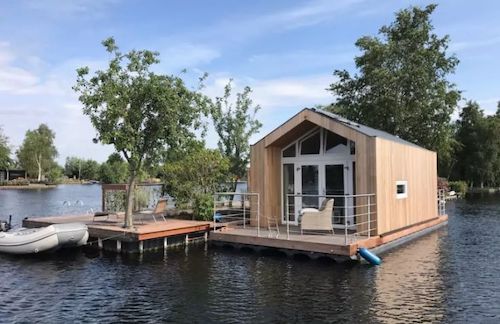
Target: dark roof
{"points": [[368, 131]]}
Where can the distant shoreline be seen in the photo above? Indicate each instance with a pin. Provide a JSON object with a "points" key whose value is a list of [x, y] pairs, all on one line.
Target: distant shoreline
{"points": [[31, 186]]}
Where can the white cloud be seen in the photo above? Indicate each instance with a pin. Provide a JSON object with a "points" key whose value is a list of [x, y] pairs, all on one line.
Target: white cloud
{"points": [[474, 44], [186, 56], [63, 9], [12, 77], [279, 98]]}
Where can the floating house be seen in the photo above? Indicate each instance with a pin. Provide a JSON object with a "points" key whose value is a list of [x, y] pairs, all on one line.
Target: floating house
{"points": [[383, 187]]}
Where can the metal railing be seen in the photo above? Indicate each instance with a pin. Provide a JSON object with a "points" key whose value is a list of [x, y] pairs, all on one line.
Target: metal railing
{"points": [[353, 216], [441, 200], [236, 209]]}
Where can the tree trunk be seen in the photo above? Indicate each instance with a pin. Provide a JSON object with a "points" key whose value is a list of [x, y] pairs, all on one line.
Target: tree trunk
{"points": [[129, 219], [39, 171]]}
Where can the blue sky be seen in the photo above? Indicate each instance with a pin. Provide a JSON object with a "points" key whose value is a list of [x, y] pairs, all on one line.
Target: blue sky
{"points": [[285, 50]]}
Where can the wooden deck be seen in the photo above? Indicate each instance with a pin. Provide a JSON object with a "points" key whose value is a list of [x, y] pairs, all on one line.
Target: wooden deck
{"points": [[143, 229], [327, 245]]}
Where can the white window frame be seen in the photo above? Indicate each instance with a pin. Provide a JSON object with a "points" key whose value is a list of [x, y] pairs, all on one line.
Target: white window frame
{"points": [[404, 194]]}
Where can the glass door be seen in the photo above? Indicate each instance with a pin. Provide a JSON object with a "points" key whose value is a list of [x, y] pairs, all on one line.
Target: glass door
{"points": [[289, 192], [335, 186], [308, 181]]}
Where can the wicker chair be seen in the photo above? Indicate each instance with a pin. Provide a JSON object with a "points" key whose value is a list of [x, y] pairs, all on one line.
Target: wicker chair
{"points": [[318, 220]]}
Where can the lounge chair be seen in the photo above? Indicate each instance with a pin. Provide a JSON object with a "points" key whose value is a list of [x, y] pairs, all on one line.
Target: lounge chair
{"points": [[317, 220], [160, 210]]}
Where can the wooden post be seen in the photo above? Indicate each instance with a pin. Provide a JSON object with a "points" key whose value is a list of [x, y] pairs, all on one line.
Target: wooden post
{"points": [[165, 243], [99, 243], [141, 247], [118, 246]]}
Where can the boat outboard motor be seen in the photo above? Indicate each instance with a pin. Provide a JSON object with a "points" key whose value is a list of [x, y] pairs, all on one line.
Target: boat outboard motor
{"points": [[6, 226]]}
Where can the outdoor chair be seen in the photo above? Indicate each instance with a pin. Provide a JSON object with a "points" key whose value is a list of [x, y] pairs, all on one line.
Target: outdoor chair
{"points": [[159, 210], [317, 220]]}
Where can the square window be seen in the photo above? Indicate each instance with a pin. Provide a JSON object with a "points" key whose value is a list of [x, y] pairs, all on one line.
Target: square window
{"points": [[401, 189]]}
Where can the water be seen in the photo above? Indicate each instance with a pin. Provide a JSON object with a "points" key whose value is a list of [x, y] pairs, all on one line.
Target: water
{"points": [[451, 275]]}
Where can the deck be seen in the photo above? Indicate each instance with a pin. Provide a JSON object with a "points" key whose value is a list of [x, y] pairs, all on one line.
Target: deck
{"points": [[333, 245], [145, 233]]}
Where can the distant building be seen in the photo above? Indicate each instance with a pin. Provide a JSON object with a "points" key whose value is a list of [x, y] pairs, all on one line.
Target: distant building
{"points": [[6, 174]]}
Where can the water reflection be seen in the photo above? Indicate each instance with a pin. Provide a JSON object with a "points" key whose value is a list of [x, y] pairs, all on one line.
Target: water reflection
{"points": [[448, 276]]}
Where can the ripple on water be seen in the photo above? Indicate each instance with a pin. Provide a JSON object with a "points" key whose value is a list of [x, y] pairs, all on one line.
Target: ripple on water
{"points": [[447, 276]]}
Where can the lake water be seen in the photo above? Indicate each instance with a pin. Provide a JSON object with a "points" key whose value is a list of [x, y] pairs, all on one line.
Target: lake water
{"points": [[452, 275]]}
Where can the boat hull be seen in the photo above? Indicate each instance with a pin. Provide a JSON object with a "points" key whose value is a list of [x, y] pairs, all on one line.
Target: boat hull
{"points": [[35, 240], [71, 234], [28, 241]]}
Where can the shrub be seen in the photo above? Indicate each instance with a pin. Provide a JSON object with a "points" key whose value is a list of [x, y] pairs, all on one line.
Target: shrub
{"points": [[459, 187], [203, 207]]}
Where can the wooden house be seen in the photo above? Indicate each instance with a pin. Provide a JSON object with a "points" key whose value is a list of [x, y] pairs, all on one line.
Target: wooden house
{"points": [[380, 182]]}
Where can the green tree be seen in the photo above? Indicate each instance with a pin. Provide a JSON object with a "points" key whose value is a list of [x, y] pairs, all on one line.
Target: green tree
{"points": [[73, 167], [194, 177], [478, 136], [90, 170], [139, 112], [402, 85], [37, 152], [235, 123], [5, 160], [55, 174]]}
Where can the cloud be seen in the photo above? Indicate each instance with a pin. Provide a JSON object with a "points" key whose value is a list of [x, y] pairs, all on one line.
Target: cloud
{"points": [[279, 92], [489, 105], [186, 56], [241, 28], [279, 98], [13, 77], [63, 9], [474, 44]]}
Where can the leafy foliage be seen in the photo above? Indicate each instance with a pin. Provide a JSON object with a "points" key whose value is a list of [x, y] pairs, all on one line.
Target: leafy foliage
{"points": [[478, 158], [197, 174], [5, 160], [81, 169], [402, 85], [235, 123], [37, 153], [139, 112], [114, 170]]}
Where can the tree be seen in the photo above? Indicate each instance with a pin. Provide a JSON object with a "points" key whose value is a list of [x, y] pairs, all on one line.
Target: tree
{"points": [[5, 160], [37, 153], [402, 85], [139, 112], [195, 176], [235, 123], [73, 167], [90, 170], [479, 151]]}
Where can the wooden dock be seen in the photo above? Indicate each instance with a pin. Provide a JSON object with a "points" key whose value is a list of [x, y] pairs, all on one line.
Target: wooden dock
{"points": [[108, 233], [330, 246]]}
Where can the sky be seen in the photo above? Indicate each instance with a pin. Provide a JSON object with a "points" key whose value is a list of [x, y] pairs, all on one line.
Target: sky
{"points": [[285, 50]]}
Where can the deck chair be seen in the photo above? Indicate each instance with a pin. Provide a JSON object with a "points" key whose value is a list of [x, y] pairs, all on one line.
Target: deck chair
{"points": [[318, 219], [159, 210]]}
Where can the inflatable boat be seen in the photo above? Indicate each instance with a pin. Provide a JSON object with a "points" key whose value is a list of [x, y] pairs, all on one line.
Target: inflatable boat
{"points": [[35, 240]]}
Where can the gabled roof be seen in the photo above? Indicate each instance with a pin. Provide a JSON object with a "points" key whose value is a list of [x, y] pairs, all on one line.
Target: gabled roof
{"points": [[368, 131], [362, 129]]}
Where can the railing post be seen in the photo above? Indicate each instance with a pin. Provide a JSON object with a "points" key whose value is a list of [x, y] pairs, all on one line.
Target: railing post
{"points": [[258, 215], [369, 221], [244, 216], [215, 206], [345, 229], [287, 213]]}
